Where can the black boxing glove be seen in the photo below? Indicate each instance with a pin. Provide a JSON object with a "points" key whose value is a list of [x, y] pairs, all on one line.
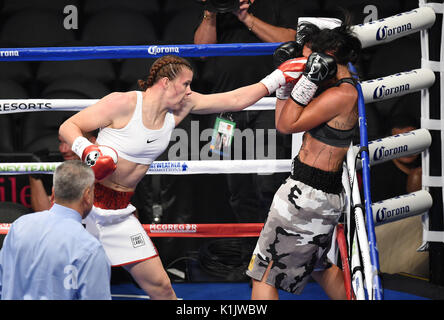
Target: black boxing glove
{"points": [[306, 32], [287, 50], [319, 67], [293, 49]]}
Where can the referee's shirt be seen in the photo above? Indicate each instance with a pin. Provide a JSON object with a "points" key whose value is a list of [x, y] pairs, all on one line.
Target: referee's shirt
{"points": [[50, 255]]}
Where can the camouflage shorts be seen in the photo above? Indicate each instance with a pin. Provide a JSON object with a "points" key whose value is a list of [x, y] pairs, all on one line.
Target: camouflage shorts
{"points": [[296, 236]]}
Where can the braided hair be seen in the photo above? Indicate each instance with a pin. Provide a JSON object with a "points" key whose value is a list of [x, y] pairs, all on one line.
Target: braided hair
{"points": [[167, 66]]}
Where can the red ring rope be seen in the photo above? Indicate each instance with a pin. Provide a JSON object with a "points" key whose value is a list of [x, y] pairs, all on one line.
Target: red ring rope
{"points": [[189, 230], [342, 244]]}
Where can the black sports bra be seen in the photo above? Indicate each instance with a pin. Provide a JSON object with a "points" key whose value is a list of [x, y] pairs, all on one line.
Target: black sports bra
{"points": [[331, 136]]}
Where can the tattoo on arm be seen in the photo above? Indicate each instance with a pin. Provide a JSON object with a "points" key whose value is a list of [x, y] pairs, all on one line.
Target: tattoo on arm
{"points": [[339, 125], [348, 123]]}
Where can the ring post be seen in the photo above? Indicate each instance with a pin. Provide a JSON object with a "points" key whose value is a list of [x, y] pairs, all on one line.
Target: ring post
{"points": [[377, 288]]}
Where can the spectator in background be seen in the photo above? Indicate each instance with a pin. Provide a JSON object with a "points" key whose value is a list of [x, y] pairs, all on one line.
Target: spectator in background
{"points": [[49, 254], [254, 21], [41, 184], [398, 241]]}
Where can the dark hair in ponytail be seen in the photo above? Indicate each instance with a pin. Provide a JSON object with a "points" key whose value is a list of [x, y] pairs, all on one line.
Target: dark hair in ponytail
{"points": [[340, 42], [167, 66]]}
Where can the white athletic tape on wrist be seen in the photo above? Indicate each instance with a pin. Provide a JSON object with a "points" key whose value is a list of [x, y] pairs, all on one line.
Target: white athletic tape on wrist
{"points": [[283, 93], [79, 145], [273, 81], [303, 91]]}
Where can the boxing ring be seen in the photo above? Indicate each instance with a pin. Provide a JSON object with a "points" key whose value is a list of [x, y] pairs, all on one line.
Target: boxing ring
{"points": [[356, 239]]}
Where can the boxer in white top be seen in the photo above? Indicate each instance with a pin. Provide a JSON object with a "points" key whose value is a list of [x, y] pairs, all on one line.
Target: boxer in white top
{"points": [[135, 129]]}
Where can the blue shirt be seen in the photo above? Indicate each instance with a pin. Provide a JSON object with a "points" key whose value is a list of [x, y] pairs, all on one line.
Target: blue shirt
{"points": [[50, 255]]}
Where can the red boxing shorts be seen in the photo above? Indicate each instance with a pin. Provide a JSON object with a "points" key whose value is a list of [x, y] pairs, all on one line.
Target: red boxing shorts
{"points": [[107, 198], [112, 222]]}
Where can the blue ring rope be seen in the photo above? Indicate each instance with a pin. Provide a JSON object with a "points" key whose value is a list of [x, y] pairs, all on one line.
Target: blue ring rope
{"points": [[374, 256], [141, 51]]}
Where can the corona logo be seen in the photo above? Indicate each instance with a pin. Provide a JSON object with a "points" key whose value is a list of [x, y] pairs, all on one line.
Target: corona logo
{"points": [[384, 213], [385, 32], [382, 152], [9, 53], [382, 91], [156, 50]]}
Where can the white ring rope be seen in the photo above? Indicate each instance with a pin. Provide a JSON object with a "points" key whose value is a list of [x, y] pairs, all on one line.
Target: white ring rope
{"points": [[380, 150], [401, 207], [359, 242], [394, 27], [169, 167], [379, 89], [392, 147]]}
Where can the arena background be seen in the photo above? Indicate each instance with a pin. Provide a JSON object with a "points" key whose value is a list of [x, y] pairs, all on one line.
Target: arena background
{"points": [[184, 199]]}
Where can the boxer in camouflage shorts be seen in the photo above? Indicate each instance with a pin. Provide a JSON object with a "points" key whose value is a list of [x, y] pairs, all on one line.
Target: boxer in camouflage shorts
{"points": [[298, 232], [322, 103]]}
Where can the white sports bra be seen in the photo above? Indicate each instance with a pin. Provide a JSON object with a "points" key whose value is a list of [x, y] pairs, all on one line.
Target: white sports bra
{"points": [[135, 142]]}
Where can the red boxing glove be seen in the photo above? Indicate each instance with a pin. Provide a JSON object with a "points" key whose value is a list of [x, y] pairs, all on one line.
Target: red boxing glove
{"points": [[289, 71], [293, 69], [102, 159]]}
